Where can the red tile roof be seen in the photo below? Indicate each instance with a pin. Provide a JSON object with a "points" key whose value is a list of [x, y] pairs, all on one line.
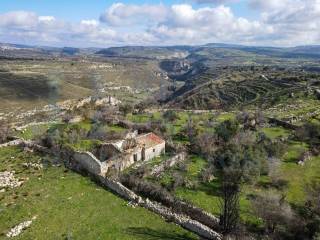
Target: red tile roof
{"points": [[149, 140]]}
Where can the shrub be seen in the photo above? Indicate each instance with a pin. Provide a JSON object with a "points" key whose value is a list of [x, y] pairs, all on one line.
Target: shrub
{"points": [[274, 211], [170, 115], [312, 209], [206, 144], [126, 108], [191, 130], [274, 149], [207, 174], [248, 159], [227, 129], [309, 133]]}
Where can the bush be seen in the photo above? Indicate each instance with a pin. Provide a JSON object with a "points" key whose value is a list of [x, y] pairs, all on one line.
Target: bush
{"points": [[191, 130], [227, 129], [274, 211], [170, 115], [207, 174], [206, 144], [274, 149], [309, 133], [126, 108], [248, 159], [311, 213]]}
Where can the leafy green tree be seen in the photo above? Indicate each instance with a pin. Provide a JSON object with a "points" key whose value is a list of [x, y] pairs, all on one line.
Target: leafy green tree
{"points": [[227, 129], [126, 108], [248, 159]]}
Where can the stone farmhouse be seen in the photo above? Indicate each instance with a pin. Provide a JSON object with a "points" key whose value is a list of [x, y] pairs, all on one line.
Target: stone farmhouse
{"points": [[122, 154], [117, 155]]}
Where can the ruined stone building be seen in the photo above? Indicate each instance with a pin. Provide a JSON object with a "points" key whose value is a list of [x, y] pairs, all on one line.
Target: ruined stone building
{"points": [[122, 154], [117, 155]]}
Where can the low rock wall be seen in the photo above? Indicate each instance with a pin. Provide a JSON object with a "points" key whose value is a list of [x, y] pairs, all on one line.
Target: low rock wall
{"points": [[26, 144], [12, 143], [283, 124], [182, 220]]}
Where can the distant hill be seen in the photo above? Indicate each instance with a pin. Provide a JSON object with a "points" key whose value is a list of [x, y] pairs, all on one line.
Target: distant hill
{"points": [[146, 52]]}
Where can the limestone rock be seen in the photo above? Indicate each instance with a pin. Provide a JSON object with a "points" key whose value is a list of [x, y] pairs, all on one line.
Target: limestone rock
{"points": [[8, 180], [17, 230]]}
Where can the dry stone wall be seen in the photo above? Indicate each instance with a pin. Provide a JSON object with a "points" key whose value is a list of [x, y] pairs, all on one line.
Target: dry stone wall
{"points": [[283, 124], [26, 144], [182, 220], [92, 165]]}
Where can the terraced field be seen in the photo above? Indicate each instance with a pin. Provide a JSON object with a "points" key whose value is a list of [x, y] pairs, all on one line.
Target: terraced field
{"points": [[245, 87]]}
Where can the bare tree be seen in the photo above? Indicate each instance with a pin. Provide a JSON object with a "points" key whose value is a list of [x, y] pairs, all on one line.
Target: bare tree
{"points": [[191, 130], [273, 210], [230, 197]]}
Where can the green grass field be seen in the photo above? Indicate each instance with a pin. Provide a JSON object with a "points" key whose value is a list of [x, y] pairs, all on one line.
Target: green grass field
{"points": [[70, 206]]}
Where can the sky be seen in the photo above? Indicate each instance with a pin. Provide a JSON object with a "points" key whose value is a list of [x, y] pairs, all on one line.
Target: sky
{"points": [[105, 23]]}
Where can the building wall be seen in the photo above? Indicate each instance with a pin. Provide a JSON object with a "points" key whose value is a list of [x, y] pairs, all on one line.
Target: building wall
{"points": [[155, 151], [90, 163], [106, 152], [120, 163]]}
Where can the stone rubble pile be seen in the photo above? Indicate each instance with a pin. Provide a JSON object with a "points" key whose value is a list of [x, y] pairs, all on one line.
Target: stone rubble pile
{"points": [[8, 180], [36, 166], [17, 230]]}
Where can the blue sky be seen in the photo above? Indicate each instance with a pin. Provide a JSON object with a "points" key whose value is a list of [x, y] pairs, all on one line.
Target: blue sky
{"points": [[76, 10], [97, 23]]}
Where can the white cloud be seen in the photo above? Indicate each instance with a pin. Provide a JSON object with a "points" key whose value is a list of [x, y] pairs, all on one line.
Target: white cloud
{"points": [[46, 18], [267, 5], [216, 1], [190, 26], [18, 19], [280, 23], [120, 14], [294, 22], [91, 22]]}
